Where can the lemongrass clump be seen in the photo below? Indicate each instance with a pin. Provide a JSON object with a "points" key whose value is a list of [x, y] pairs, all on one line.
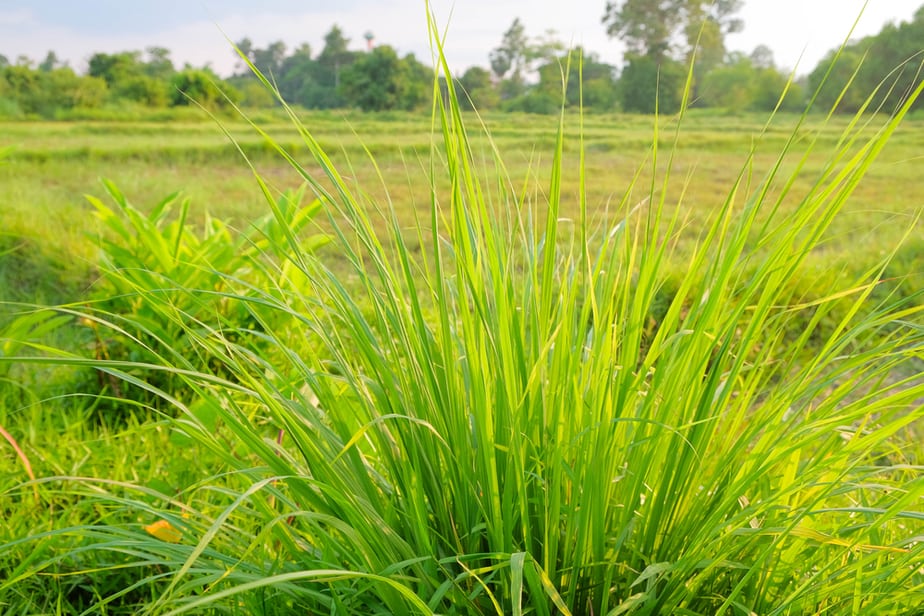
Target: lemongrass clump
{"points": [[494, 424]]}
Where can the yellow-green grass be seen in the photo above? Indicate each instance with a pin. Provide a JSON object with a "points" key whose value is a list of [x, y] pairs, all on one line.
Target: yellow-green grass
{"points": [[54, 164], [44, 180]]}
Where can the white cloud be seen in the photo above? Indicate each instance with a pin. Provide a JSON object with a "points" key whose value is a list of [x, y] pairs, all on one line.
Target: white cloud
{"points": [[16, 17], [794, 28]]}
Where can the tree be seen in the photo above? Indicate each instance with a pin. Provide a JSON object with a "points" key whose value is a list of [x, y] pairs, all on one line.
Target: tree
{"points": [[335, 56], [647, 27], [762, 57], [333, 60], [659, 29], [546, 48], [244, 48], [159, 65], [335, 45], [201, 86], [515, 57], [418, 82], [707, 25], [115, 68], [143, 89], [475, 78], [378, 81], [770, 86], [708, 22], [69, 90], [45, 92], [730, 86], [24, 86], [647, 85], [125, 75], [50, 63], [269, 60], [252, 92], [296, 75], [865, 63], [512, 53], [663, 31], [742, 85], [588, 78], [475, 86]]}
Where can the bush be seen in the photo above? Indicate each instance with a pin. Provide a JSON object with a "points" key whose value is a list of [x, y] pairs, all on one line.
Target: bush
{"points": [[10, 109], [170, 289], [201, 87], [534, 102], [646, 86]]}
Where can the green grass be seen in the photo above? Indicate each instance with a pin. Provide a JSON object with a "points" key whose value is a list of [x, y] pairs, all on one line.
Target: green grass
{"points": [[577, 373], [54, 164]]}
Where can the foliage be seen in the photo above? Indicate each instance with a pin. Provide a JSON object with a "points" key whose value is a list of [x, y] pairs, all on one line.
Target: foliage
{"points": [[512, 54], [741, 85], [254, 95], [652, 27], [588, 81], [296, 76], [536, 101], [515, 58], [158, 66], [526, 70], [114, 68], [126, 77], [43, 93], [334, 59], [895, 51], [476, 90], [646, 86], [647, 27], [130, 79], [381, 81], [159, 277], [270, 60], [301, 78], [201, 87]]}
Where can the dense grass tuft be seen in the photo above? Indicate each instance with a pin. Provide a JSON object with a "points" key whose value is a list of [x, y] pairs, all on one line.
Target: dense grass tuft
{"points": [[507, 411]]}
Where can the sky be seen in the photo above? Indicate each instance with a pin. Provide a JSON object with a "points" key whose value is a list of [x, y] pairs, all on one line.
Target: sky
{"points": [[197, 31]]}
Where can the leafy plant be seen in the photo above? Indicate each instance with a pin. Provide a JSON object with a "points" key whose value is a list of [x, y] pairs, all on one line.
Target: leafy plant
{"points": [[167, 285]]}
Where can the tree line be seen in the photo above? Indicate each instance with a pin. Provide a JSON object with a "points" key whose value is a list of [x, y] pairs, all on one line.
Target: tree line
{"points": [[664, 40]]}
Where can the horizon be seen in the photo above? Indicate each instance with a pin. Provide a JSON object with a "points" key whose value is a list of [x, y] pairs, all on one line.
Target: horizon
{"points": [[195, 32]]}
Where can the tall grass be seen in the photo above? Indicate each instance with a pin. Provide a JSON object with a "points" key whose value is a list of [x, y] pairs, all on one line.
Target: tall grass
{"points": [[504, 421]]}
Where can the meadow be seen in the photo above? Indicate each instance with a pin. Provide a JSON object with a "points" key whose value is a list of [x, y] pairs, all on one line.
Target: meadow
{"points": [[425, 415], [53, 165]]}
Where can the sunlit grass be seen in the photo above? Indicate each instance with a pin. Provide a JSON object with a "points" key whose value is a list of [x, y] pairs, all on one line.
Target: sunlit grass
{"points": [[533, 396], [45, 181]]}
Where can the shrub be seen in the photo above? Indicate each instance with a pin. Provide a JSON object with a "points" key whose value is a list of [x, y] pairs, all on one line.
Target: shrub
{"points": [[201, 87], [171, 288], [534, 102], [647, 86]]}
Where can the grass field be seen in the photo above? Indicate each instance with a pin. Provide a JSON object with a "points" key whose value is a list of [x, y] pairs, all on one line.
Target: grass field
{"points": [[49, 254], [54, 164]]}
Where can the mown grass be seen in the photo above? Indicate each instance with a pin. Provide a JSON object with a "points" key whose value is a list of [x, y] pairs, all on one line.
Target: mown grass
{"points": [[586, 391]]}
